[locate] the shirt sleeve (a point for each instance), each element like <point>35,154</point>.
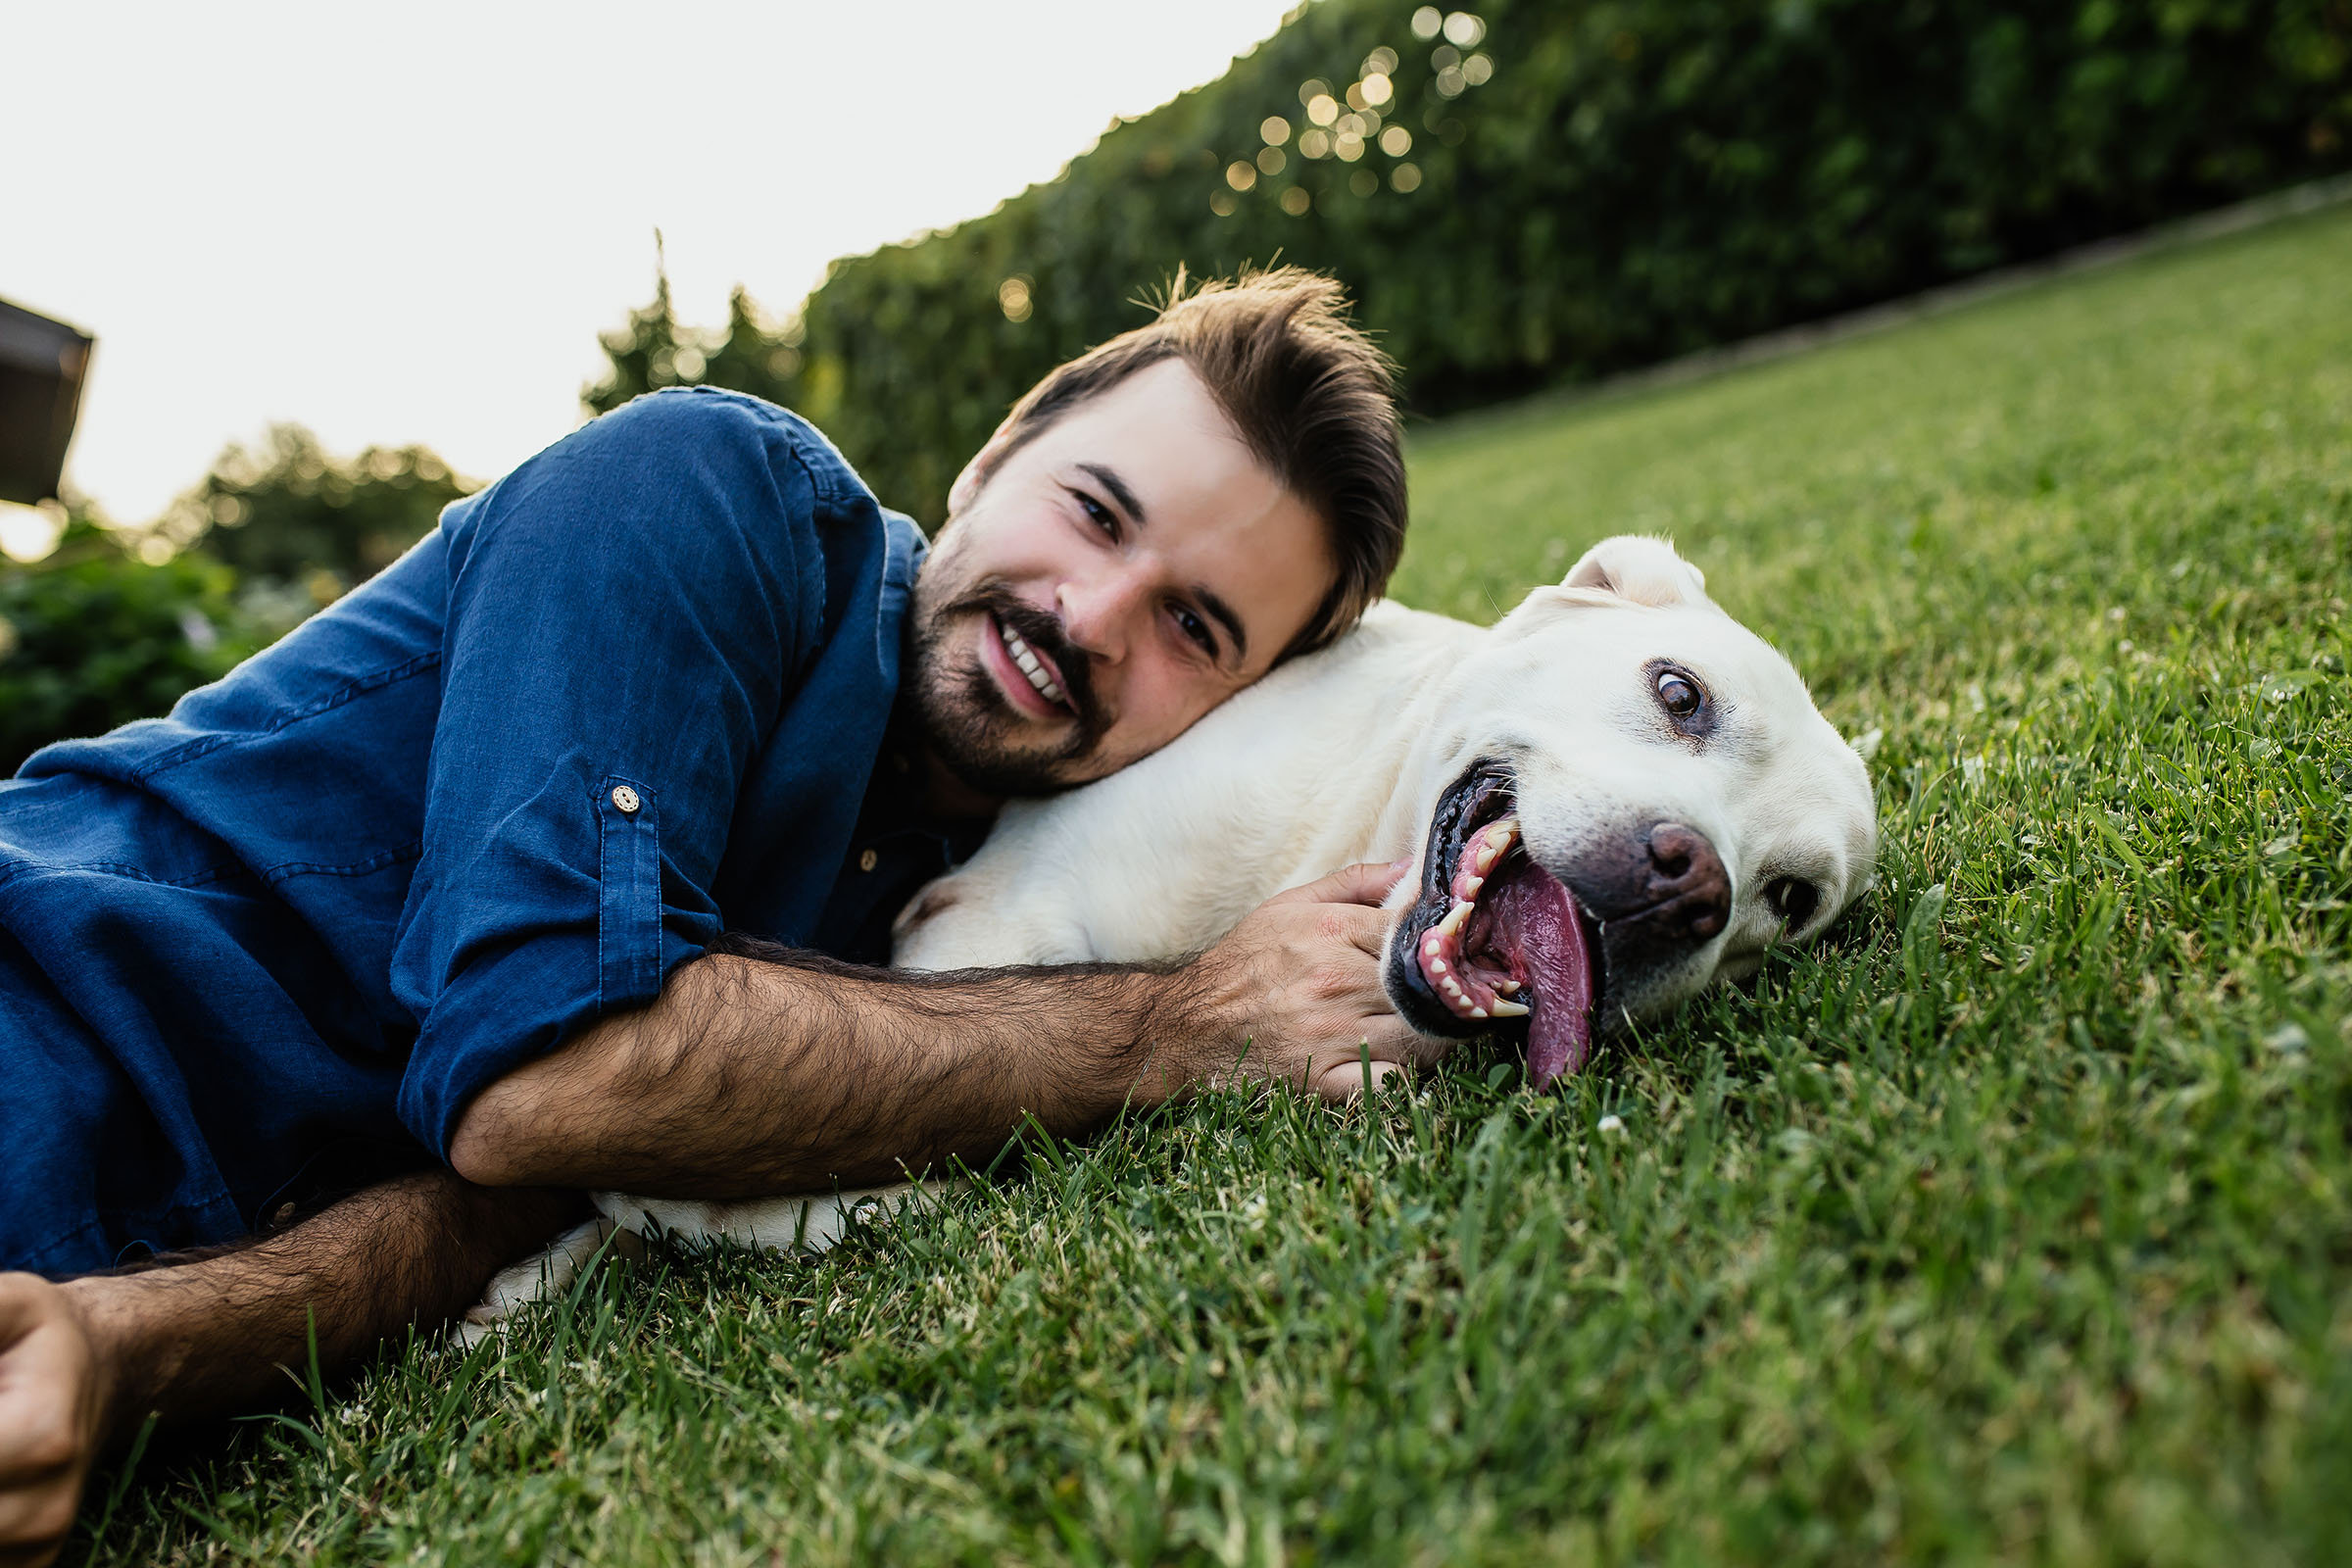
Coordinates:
<point>627,613</point>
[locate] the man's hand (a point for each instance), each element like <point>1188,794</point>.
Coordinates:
<point>84,1362</point>
<point>54,1393</point>
<point>1299,981</point>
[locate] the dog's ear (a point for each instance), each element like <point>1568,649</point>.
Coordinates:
<point>1645,570</point>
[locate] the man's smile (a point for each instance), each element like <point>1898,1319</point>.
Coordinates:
<point>1029,678</point>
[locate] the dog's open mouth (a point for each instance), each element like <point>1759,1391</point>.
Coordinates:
<point>1495,937</point>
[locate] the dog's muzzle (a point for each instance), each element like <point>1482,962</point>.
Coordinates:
<point>1495,941</point>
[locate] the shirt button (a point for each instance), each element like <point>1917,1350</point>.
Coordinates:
<point>625,800</point>
<point>869,861</point>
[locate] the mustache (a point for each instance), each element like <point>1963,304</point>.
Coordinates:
<point>1042,631</point>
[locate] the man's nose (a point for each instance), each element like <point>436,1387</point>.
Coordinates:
<point>1099,612</point>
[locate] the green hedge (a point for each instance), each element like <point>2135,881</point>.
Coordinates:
<point>91,637</point>
<point>1633,180</point>
<point>116,624</point>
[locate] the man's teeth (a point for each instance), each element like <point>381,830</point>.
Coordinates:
<point>1463,991</point>
<point>1030,665</point>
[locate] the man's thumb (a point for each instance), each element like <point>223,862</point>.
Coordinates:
<point>1366,883</point>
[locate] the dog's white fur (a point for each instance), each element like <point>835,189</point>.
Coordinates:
<point>1340,757</point>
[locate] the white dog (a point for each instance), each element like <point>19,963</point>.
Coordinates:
<point>1611,798</point>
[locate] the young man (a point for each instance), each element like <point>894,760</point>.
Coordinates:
<point>458,868</point>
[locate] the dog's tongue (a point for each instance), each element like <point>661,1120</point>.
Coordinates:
<point>1540,913</point>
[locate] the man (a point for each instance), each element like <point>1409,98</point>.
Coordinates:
<point>465,866</point>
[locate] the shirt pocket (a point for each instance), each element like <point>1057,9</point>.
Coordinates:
<point>628,915</point>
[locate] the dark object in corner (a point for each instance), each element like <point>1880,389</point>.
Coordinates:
<point>41,367</point>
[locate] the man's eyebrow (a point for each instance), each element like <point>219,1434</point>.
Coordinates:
<point>1222,612</point>
<point>1119,492</point>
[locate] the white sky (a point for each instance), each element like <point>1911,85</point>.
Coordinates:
<point>407,223</point>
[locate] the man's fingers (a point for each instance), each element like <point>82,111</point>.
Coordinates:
<point>44,1447</point>
<point>37,1517</point>
<point>1365,883</point>
<point>1349,1080</point>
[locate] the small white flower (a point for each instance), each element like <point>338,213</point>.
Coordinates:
<point>1612,1123</point>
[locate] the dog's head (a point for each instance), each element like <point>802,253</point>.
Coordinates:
<point>1631,796</point>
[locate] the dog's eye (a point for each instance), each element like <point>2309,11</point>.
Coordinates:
<point>1678,693</point>
<point>1792,900</point>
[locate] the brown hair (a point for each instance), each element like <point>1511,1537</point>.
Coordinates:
<point>1303,386</point>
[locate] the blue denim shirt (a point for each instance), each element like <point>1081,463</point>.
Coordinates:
<point>628,695</point>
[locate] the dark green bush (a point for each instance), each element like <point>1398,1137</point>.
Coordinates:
<point>91,637</point>
<point>1635,180</point>
<point>294,514</point>
<point>115,627</point>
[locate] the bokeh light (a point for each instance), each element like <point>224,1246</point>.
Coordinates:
<point>1464,29</point>
<point>1312,88</point>
<point>1274,131</point>
<point>1363,183</point>
<point>1381,62</point>
<point>1396,141</point>
<point>1315,144</point>
<point>1478,70</point>
<point>1295,201</point>
<point>1406,177</point>
<point>1378,89</point>
<point>1427,22</point>
<point>1241,176</point>
<point>1013,298</point>
<point>1270,160</point>
<point>1222,204</point>
<point>1348,146</point>
<point>1322,107</point>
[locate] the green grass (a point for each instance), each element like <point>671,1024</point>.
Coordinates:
<point>2014,1224</point>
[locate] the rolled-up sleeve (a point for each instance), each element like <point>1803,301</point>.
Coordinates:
<point>627,614</point>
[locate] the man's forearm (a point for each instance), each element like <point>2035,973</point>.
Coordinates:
<point>211,1337</point>
<point>749,1077</point>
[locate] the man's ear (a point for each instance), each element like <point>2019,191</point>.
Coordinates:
<point>1643,569</point>
<point>966,488</point>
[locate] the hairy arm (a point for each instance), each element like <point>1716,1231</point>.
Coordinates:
<point>84,1362</point>
<point>751,1077</point>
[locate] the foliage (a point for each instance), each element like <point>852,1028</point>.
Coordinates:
<point>116,626</point>
<point>2013,1224</point>
<point>1595,184</point>
<point>91,637</point>
<point>295,515</point>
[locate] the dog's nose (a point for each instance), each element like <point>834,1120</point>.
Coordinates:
<point>1689,892</point>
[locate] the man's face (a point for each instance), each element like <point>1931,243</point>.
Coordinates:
<point>1102,586</point>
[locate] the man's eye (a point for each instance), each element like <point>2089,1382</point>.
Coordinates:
<point>1101,516</point>
<point>1195,628</point>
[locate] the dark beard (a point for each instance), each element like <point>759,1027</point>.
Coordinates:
<point>965,717</point>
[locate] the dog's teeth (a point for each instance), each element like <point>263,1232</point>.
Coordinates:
<point>1485,861</point>
<point>1471,885</point>
<point>1509,988</point>
<point>1510,1009</point>
<point>1433,944</point>
<point>1451,925</point>
<point>1437,966</point>
<point>1501,835</point>
<point>1476,1012</point>
<point>1451,989</point>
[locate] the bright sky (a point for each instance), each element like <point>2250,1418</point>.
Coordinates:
<point>407,223</point>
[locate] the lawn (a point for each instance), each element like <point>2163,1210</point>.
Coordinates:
<point>2013,1224</point>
